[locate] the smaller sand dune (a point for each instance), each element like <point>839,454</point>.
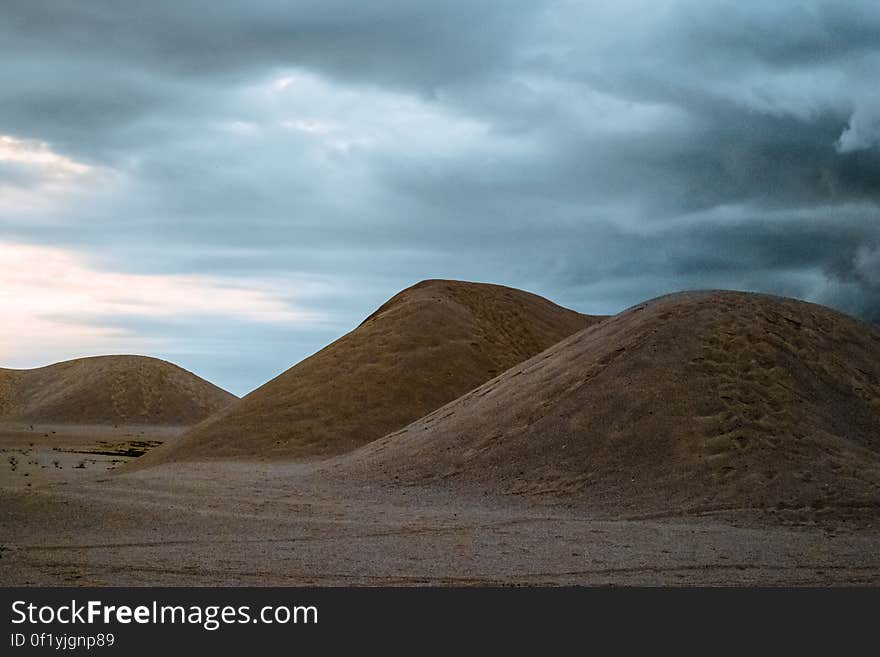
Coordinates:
<point>123,390</point>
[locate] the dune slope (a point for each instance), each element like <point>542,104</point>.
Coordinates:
<point>695,401</point>
<point>134,390</point>
<point>423,348</point>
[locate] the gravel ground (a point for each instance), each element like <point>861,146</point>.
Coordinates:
<point>234,523</point>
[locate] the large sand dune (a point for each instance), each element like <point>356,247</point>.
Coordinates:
<point>423,348</point>
<point>124,390</point>
<point>690,402</point>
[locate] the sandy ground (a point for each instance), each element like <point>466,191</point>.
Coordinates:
<point>284,524</point>
<point>32,455</point>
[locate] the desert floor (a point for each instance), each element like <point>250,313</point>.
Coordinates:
<point>67,519</point>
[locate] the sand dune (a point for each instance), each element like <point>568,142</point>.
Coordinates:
<point>695,401</point>
<point>423,348</point>
<point>124,390</point>
<point>703,438</point>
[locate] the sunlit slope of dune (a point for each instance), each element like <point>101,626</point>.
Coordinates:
<point>423,348</point>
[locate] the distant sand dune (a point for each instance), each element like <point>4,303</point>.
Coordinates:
<point>423,348</point>
<point>124,390</point>
<point>696,401</point>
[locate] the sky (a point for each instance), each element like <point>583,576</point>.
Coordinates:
<point>232,185</point>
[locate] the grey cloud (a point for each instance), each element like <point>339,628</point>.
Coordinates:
<point>863,131</point>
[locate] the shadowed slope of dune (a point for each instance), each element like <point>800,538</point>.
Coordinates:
<point>130,390</point>
<point>695,401</point>
<point>423,348</point>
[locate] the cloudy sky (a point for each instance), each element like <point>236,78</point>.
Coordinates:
<point>230,185</point>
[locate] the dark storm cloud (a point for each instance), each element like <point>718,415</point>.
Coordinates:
<point>444,41</point>
<point>84,71</point>
<point>597,153</point>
